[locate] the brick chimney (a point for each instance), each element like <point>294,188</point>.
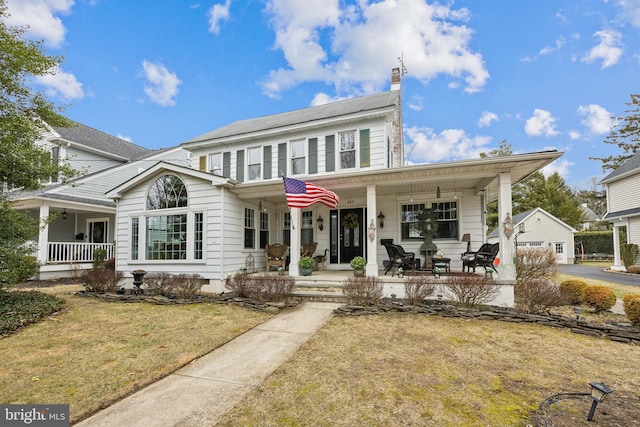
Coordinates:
<point>395,79</point>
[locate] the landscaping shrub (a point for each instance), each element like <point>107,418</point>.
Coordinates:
<point>101,280</point>
<point>110,264</point>
<point>471,291</point>
<point>276,287</point>
<point>537,296</point>
<point>628,253</point>
<point>635,269</point>
<point>600,298</point>
<point>572,291</point>
<point>364,290</point>
<point>535,264</point>
<point>15,267</point>
<point>99,256</point>
<point>18,309</point>
<point>186,285</point>
<point>417,288</point>
<point>159,283</point>
<point>242,284</point>
<point>632,308</point>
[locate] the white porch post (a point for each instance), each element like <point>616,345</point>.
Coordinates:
<point>372,246</point>
<point>43,234</point>
<point>507,269</point>
<point>617,260</point>
<point>294,250</point>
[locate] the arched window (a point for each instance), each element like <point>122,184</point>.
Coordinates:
<point>166,192</point>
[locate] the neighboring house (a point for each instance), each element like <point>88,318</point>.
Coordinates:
<point>217,216</point>
<point>590,220</point>
<point>623,205</point>
<point>77,217</point>
<point>537,228</point>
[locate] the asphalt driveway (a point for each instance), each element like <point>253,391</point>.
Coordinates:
<point>599,273</point>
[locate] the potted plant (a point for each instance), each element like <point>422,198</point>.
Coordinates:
<point>358,264</point>
<point>306,265</point>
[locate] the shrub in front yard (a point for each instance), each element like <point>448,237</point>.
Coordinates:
<point>632,308</point>
<point>101,280</point>
<point>158,283</point>
<point>364,290</point>
<point>572,291</point>
<point>417,288</point>
<point>471,291</point>
<point>537,296</point>
<point>275,287</point>
<point>18,309</point>
<point>600,298</point>
<point>186,285</point>
<point>535,264</point>
<point>635,269</point>
<point>629,254</point>
<point>242,284</point>
<point>110,264</point>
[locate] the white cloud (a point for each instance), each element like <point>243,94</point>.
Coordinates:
<point>322,98</point>
<point>631,11</point>
<point>561,166</point>
<point>354,47</point>
<point>608,50</point>
<point>60,83</point>
<point>39,15</point>
<point>541,123</point>
<point>416,103</point>
<point>574,134</point>
<point>596,118</point>
<point>487,118</point>
<point>217,14</point>
<point>126,138</point>
<point>161,85</point>
<point>426,146</point>
<point>548,49</point>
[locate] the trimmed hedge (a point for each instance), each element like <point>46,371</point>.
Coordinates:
<point>573,291</point>
<point>595,242</point>
<point>600,298</point>
<point>632,308</point>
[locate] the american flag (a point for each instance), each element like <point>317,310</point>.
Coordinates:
<point>301,194</point>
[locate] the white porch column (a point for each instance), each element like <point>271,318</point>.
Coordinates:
<point>372,245</point>
<point>43,234</point>
<point>617,260</point>
<point>506,269</point>
<point>294,250</point>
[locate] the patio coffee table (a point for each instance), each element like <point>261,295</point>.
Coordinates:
<point>444,263</point>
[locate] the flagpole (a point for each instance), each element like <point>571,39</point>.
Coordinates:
<point>294,250</point>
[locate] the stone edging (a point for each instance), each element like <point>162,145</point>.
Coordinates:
<point>224,298</point>
<point>615,332</point>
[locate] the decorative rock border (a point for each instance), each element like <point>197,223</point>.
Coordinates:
<point>624,333</point>
<point>224,298</point>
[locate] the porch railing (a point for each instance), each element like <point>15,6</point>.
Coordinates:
<point>72,252</point>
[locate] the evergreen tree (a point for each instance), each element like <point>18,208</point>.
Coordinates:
<point>625,134</point>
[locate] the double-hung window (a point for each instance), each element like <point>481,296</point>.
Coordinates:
<point>286,228</point>
<point>255,163</point>
<point>447,219</point>
<point>215,164</point>
<point>249,228</point>
<point>347,149</point>
<point>307,227</point>
<point>409,226</point>
<point>264,229</point>
<point>298,157</point>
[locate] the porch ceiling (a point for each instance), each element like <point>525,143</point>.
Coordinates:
<point>476,174</point>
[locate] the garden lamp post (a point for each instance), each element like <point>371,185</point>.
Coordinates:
<point>598,392</point>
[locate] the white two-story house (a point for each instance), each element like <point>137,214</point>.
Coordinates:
<point>216,216</point>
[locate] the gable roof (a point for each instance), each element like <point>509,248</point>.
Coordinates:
<point>100,141</point>
<point>344,107</point>
<point>521,217</point>
<point>631,166</point>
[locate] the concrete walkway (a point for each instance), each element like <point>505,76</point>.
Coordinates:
<point>204,391</point>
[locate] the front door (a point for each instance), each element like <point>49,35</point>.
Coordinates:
<point>97,232</point>
<point>347,235</point>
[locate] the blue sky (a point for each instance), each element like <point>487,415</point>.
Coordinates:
<point>544,74</point>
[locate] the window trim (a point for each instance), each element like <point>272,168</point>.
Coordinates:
<point>250,150</point>
<point>305,155</point>
<point>211,168</point>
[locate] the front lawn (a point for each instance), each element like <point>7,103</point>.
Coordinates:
<point>95,353</point>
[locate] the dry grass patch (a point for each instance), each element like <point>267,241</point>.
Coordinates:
<point>419,370</point>
<point>97,352</point>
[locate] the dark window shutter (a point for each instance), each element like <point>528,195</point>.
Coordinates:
<point>330,153</point>
<point>240,166</point>
<point>266,153</point>
<point>282,159</point>
<point>203,163</point>
<point>313,155</point>
<point>365,149</point>
<point>226,164</point>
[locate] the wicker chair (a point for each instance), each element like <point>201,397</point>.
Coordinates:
<point>483,257</point>
<point>275,255</point>
<point>308,249</point>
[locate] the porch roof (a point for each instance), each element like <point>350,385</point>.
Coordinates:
<point>477,174</point>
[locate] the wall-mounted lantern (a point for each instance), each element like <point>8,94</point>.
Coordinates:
<point>320,222</point>
<point>381,219</point>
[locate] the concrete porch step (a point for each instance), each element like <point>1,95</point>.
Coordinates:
<point>323,289</point>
